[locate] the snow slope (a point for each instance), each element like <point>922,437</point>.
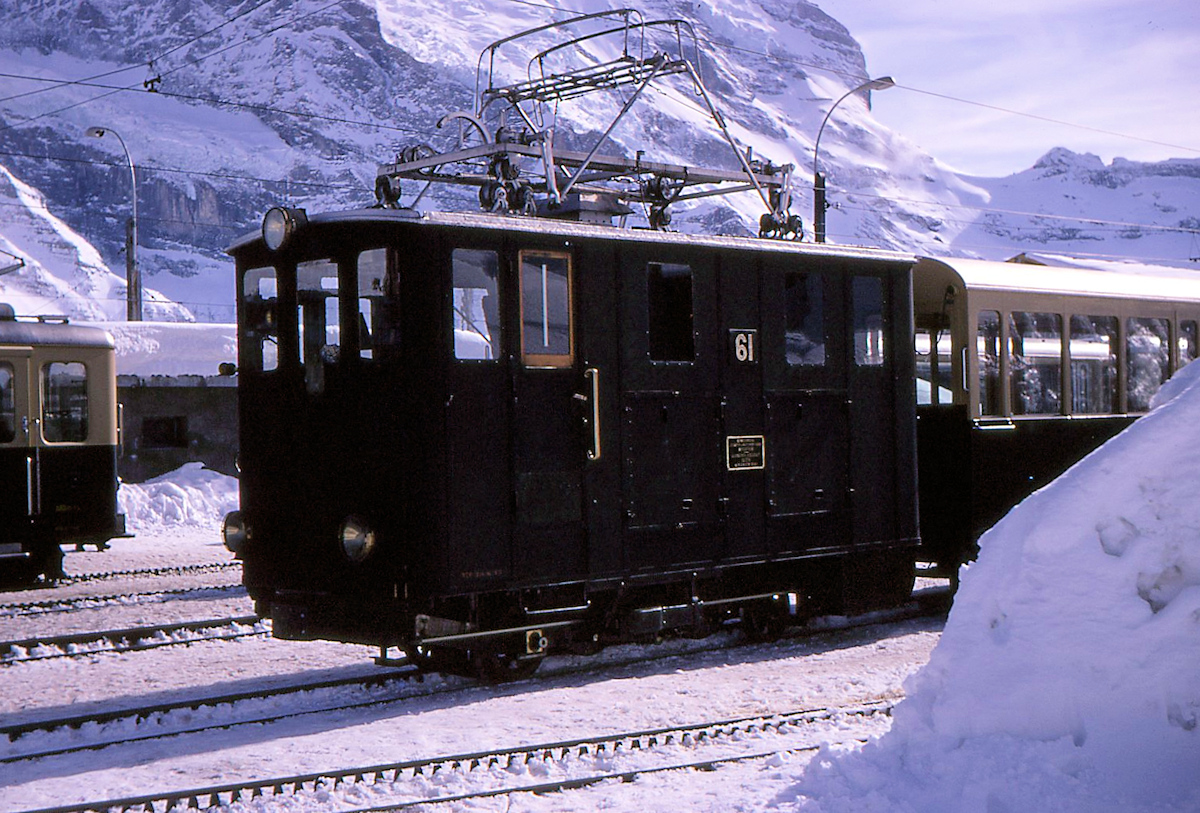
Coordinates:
<point>63,273</point>
<point>1068,675</point>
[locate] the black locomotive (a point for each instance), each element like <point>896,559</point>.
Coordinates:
<point>58,443</point>
<point>479,437</point>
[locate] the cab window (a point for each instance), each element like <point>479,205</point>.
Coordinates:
<point>869,347</point>
<point>64,402</point>
<point>546,338</point>
<point>260,319</point>
<point>804,315</point>
<point>372,288</point>
<point>669,302</point>
<point>317,316</point>
<point>475,315</point>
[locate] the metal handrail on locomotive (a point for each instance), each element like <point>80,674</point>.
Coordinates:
<point>58,443</point>
<point>482,437</point>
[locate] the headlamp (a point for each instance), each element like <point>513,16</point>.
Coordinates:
<point>357,538</point>
<point>279,224</point>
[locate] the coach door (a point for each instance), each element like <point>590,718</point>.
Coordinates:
<point>17,481</point>
<point>670,423</point>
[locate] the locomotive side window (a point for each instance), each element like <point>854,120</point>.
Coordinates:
<point>320,331</point>
<point>1147,360</point>
<point>988,349</point>
<point>869,348</point>
<point>1187,341</point>
<point>804,325</point>
<point>476,304</point>
<point>1093,365</point>
<point>260,336</point>
<point>8,407</point>
<point>372,274</point>
<point>669,295</point>
<point>1035,363</point>
<point>546,337</point>
<point>64,402</point>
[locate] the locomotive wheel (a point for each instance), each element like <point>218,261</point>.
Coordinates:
<point>499,667</point>
<point>446,661</point>
<point>761,624</point>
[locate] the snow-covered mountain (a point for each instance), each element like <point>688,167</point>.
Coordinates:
<point>1076,204</point>
<point>60,272</point>
<point>298,101</point>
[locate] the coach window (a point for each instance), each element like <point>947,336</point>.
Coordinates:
<point>869,345</point>
<point>8,405</point>
<point>804,314</point>
<point>546,338</point>
<point>1035,363</point>
<point>1147,360</point>
<point>1187,342</point>
<point>669,294</point>
<point>260,319</point>
<point>475,318</point>
<point>372,288</point>
<point>317,315</point>
<point>932,346</point>
<point>988,350</point>
<point>64,402</point>
<point>1093,351</point>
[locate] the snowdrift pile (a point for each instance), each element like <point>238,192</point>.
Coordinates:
<point>189,497</point>
<point>1068,675</point>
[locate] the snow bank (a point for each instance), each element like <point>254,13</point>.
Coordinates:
<point>189,497</point>
<point>1068,675</point>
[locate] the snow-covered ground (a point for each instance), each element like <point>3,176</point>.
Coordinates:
<point>1067,677</point>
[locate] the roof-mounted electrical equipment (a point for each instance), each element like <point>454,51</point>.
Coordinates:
<point>506,145</point>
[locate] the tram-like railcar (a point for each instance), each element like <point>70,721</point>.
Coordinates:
<point>470,435</point>
<point>58,443</point>
<point>1025,368</point>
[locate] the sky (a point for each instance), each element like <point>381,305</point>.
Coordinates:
<point>1129,68</point>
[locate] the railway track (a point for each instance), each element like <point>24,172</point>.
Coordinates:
<point>60,736</point>
<point>199,714</point>
<point>73,603</point>
<point>152,572</point>
<point>129,639</point>
<point>580,762</point>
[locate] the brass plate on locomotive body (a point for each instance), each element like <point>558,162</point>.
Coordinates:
<point>745,452</point>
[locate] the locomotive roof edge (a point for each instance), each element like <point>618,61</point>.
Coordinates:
<point>568,228</point>
<point>14,332</point>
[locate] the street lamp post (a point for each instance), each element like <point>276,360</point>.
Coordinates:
<point>819,204</point>
<point>133,277</point>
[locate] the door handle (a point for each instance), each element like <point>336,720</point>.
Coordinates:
<point>592,375</point>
